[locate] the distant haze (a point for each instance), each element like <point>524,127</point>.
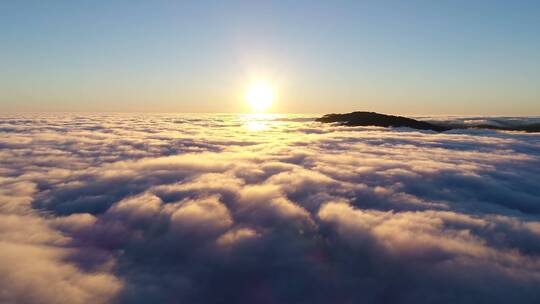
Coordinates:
<point>402,57</point>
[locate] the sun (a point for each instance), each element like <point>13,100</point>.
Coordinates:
<point>260,96</point>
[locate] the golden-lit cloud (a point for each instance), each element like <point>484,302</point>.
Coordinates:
<point>148,208</point>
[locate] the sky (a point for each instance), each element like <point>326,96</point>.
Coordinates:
<point>402,57</point>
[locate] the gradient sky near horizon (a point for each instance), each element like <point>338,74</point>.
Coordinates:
<point>401,57</point>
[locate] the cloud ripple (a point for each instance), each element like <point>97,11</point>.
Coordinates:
<point>243,209</point>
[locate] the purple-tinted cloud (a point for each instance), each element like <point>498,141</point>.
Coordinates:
<point>167,209</point>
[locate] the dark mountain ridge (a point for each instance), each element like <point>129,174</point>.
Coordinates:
<point>382,120</point>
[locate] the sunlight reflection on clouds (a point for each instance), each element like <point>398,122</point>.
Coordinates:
<point>239,208</point>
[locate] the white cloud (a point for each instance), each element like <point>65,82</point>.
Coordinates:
<point>139,209</point>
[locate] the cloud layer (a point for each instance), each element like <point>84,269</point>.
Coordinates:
<point>239,209</point>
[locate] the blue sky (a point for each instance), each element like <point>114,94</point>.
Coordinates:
<point>403,57</point>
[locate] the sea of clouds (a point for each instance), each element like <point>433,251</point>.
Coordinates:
<point>264,209</point>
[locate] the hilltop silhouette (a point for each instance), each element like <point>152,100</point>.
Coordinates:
<point>380,120</point>
<point>360,118</point>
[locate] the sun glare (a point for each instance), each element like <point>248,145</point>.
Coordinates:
<point>259,96</point>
